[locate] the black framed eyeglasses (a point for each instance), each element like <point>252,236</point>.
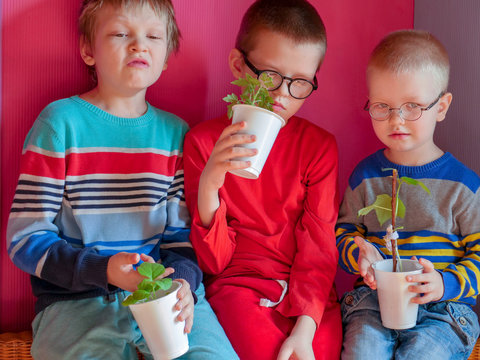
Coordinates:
<point>408,111</point>
<point>298,88</point>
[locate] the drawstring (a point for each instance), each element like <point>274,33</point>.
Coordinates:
<point>268,303</point>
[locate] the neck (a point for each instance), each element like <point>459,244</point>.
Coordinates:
<point>126,106</point>
<point>413,158</point>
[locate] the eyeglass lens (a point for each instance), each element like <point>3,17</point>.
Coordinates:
<point>298,88</point>
<point>408,111</point>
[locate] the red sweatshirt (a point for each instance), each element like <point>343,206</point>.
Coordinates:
<point>279,226</point>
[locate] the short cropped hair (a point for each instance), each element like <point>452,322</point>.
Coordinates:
<point>296,19</point>
<point>412,50</point>
<point>162,8</point>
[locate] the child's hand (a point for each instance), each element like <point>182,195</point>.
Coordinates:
<point>120,271</point>
<point>299,344</point>
<point>185,305</point>
<point>367,256</point>
<point>296,347</point>
<point>430,283</point>
<point>224,156</point>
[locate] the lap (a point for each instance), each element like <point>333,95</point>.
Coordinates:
<point>443,330</point>
<point>258,332</point>
<point>102,328</point>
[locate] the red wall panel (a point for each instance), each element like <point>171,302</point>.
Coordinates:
<point>40,63</point>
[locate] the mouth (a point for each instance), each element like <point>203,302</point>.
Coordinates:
<point>278,106</point>
<point>138,63</point>
<point>399,135</point>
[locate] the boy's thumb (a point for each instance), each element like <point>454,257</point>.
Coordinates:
<point>132,258</point>
<point>359,241</point>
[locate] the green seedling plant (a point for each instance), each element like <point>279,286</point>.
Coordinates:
<point>147,289</point>
<point>254,92</point>
<point>387,207</point>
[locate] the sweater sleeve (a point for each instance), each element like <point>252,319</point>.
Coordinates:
<point>176,249</point>
<point>347,228</point>
<point>462,278</point>
<point>214,245</point>
<point>34,242</point>
<point>315,263</point>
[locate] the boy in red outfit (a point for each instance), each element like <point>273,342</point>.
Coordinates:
<point>268,244</point>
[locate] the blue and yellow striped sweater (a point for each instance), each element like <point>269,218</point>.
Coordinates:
<point>91,185</point>
<point>443,227</point>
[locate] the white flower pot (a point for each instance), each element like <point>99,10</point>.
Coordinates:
<point>265,125</point>
<point>164,335</point>
<point>396,310</point>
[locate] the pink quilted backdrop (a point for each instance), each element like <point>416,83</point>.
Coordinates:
<point>40,63</point>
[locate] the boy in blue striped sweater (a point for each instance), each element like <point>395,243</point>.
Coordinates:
<point>101,188</point>
<point>407,78</point>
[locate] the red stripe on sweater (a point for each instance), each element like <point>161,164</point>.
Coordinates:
<point>121,163</point>
<point>98,163</point>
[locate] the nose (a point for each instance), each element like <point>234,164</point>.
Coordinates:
<point>283,89</point>
<point>395,115</point>
<point>137,45</point>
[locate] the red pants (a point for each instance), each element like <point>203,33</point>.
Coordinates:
<point>256,332</point>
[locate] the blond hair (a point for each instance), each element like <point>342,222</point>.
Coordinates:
<point>412,50</point>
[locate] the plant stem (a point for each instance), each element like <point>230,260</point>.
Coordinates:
<point>394,215</point>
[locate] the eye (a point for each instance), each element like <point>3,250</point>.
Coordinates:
<point>380,106</point>
<point>154,37</point>
<point>411,106</point>
<point>120,35</point>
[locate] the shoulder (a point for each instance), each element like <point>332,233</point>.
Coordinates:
<point>310,130</point>
<point>369,167</point>
<point>169,119</point>
<point>455,170</point>
<point>309,137</point>
<point>59,110</point>
<point>208,131</point>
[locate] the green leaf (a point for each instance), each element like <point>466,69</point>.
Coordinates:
<point>411,181</point>
<point>151,270</point>
<point>400,208</point>
<point>165,283</point>
<point>253,93</point>
<point>382,207</point>
<point>232,98</point>
<point>136,297</point>
<point>147,285</point>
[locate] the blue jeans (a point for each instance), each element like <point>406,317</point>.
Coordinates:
<point>102,328</point>
<point>444,330</point>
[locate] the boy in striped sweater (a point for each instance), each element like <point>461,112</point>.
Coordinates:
<point>100,189</point>
<point>407,78</point>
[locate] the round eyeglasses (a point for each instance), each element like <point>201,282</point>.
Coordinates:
<point>298,88</point>
<point>408,111</point>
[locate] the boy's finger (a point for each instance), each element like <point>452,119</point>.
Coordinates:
<point>146,258</point>
<point>132,258</point>
<point>427,265</point>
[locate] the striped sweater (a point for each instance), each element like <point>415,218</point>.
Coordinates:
<point>443,227</point>
<point>92,185</point>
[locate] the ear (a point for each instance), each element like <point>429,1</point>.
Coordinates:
<point>443,105</point>
<point>236,63</point>
<point>86,52</point>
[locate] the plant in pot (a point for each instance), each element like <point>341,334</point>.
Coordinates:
<point>397,312</point>
<point>254,106</point>
<point>152,306</point>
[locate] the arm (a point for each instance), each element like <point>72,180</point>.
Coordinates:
<point>175,248</point>
<point>212,238</point>
<point>315,263</point>
<point>33,239</point>
<point>299,343</point>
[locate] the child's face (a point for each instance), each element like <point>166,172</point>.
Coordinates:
<point>407,142</point>
<point>273,51</point>
<point>129,49</point>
